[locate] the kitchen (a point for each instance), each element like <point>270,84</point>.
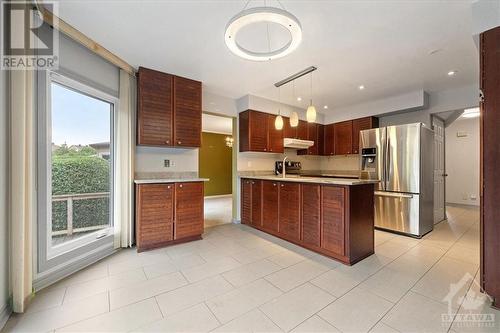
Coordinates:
<point>361,196</point>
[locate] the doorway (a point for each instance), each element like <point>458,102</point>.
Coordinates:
<point>440,175</point>
<point>216,163</point>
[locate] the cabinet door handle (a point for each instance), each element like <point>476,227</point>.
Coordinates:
<point>179,142</point>
<point>180,185</point>
<point>168,186</point>
<point>274,184</point>
<point>265,149</point>
<point>167,142</point>
<point>282,185</point>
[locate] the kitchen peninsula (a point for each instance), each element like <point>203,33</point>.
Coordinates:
<point>331,216</point>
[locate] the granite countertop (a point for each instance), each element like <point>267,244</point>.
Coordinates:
<point>318,180</point>
<point>169,180</point>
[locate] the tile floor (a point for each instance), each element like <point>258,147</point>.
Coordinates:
<point>238,279</point>
<point>218,210</point>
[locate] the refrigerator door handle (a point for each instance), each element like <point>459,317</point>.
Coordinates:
<point>387,159</point>
<point>394,195</point>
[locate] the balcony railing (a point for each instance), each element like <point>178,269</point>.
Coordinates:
<point>70,199</point>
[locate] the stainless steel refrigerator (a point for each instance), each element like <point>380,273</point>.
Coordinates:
<point>402,158</point>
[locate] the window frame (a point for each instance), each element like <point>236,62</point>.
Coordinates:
<point>70,253</point>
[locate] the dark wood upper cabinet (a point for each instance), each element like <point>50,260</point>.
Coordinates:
<point>187,112</point>
<point>490,159</point>
<point>302,132</point>
<point>275,140</point>
<point>288,130</point>
<point>342,134</point>
<point>270,205</point>
<point>253,127</point>
<point>333,219</point>
<point>329,139</point>
<point>359,125</point>
<point>168,110</point>
<point>154,108</point>
<point>189,217</point>
<point>246,201</point>
<point>312,135</point>
<point>256,207</point>
<point>154,215</point>
<point>311,210</point>
<point>289,211</point>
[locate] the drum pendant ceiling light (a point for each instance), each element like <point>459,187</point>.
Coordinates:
<point>268,15</point>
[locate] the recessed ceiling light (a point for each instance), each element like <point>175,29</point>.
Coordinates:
<point>452,73</point>
<point>361,87</point>
<point>325,107</point>
<point>299,99</point>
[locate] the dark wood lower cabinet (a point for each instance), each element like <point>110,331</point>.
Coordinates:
<point>289,210</point>
<point>189,200</point>
<point>333,217</point>
<point>168,214</point>
<point>256,216</point>
<point>333,220</point>
<point>155,215</point>
<point>270,202</point>
<point>311,214</point>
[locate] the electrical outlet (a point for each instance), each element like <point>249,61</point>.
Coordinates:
<point>473,197</point>
<point>166,163</point>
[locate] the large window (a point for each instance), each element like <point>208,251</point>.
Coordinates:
<point>76,170</point>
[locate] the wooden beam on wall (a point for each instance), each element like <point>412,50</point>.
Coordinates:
<point>79,37</point>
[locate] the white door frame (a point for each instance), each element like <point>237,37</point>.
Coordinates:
<point>438,124</point>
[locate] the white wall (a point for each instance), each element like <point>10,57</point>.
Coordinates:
<point>462,162</point>
<point>4,230</point>
<point>250,161</point>
<point>150,159</point>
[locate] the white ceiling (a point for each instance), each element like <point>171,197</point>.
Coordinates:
<point>384,45</point>
<point>216,124</point>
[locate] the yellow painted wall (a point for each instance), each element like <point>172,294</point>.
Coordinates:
<point>215,162</point>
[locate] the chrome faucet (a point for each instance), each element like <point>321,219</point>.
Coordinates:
<point>283,174</point>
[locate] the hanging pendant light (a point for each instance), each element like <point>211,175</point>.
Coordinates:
<point>311,110</point>
<point>294,117</point>
<point>278,122</point>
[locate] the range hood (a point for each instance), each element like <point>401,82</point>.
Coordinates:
<point>297,143</point>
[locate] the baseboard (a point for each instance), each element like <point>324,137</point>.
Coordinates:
<point>236,221</point>
<point>5,315</point>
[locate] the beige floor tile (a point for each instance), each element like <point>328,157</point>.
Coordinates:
<point>448,278</point>
<point>357,311</point>
<point>293,276</point>
<point>122,320</point>
<point>253,321</point>
<point>315,324</point>
<point>389,283</point>
<point>292,308</point>
<point>195,319</point>
<point>120,280</point>
<point>192,294</point>
<point>287,258</point>
<point>93,272</point>
<point>209,269</point>
<point>394,248</point>
<point>46,299</point>
<point>335,282</point>
<point>252,255</point>
<point>188,261</point>
<point>416,313</point>
<point>426,252</point>
<point>158,269</point>
<point>250,272</point>
<point>146,289</point>
<point>363,269</point>
<point>239,301</point>
<point>48,320</point>
<point>464,253</point>
<point>383,328</point>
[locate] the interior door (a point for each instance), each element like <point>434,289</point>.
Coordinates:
<point>403,159</point>
<point>439,170</point>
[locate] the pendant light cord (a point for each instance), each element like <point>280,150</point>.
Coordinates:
<point>311,95</point>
